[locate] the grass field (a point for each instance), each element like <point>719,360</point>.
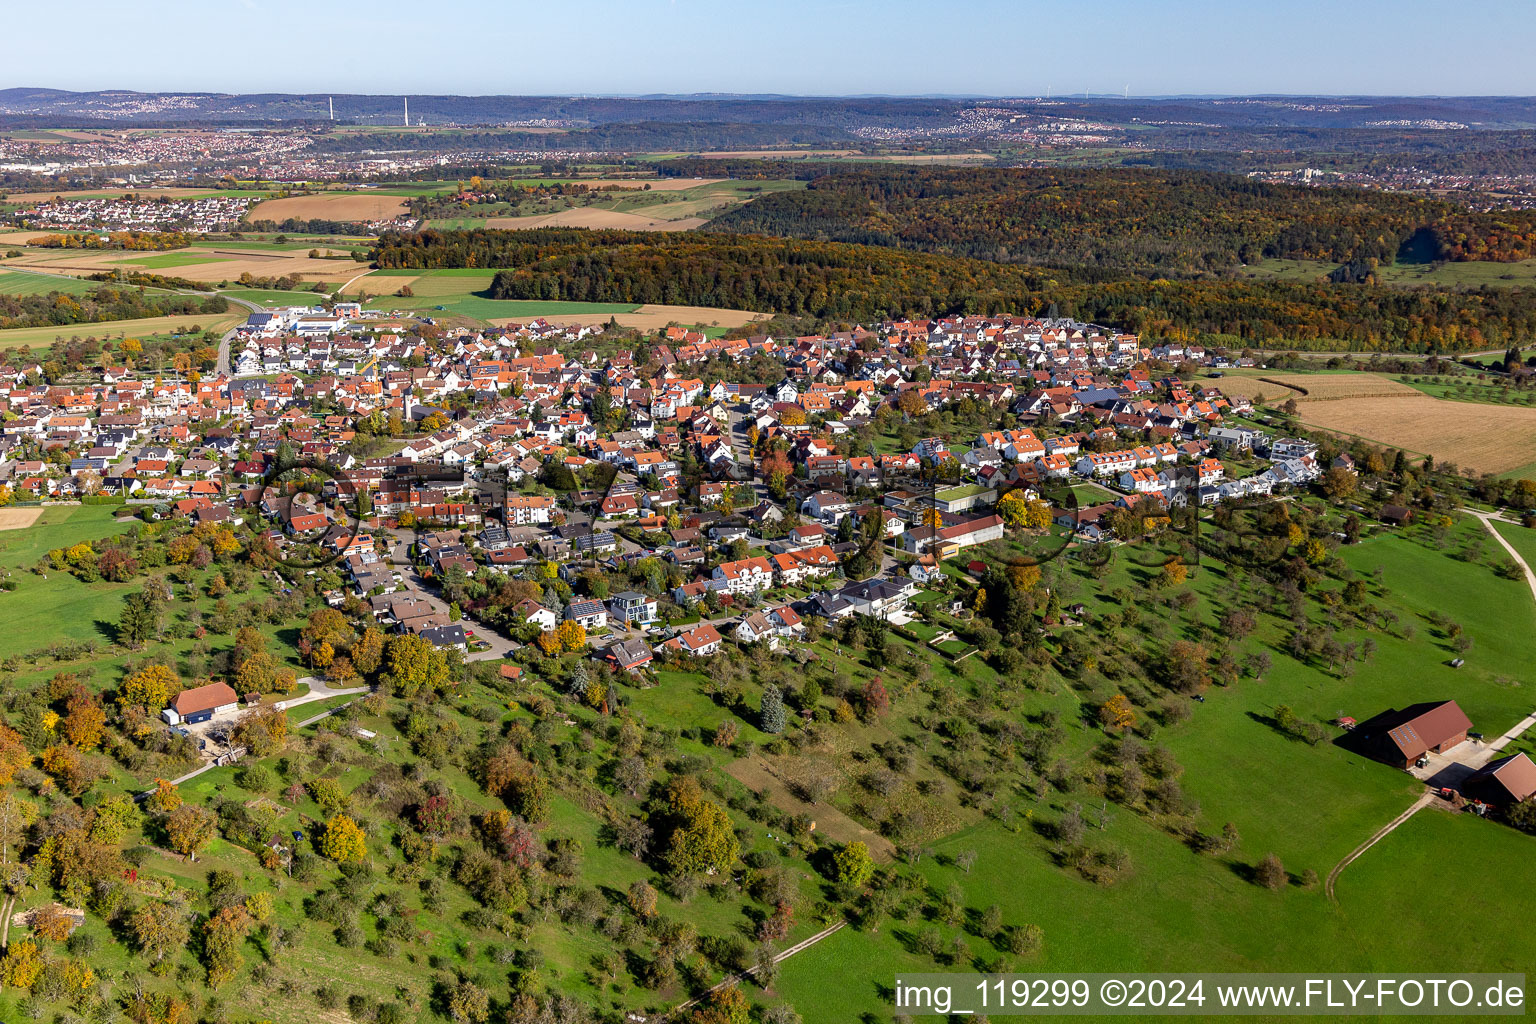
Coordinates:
<point>36,336</point>
<point>17,283</point>
<point>672,204</point>
<point>212,261</point>
<point>60,607</point>
<point>1470,274</point>
<point>1330,387</point>
<point>1175,909</point>
<point>1467,388</point>
<point>271,297</point>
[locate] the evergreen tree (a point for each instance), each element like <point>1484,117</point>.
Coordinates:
<point>140,621</point>
<point>772,710</point>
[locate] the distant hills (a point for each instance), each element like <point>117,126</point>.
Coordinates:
<point>1381,113</point>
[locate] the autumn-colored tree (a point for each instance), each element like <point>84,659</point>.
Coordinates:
<point>14,755</point>
<point>84,721</point>
<point>435,816</point>
<point>874,699</point>
<point>327,626</point>
<point>642,900</point>
<point>1012,507</point>
<point>1117,712</point>
<point>51,922</point>
<point>911,404</point>
<point>548,643</point>
<point>704,841</point>
<point>150,688</point>
<point>263,729</point>
<point>571,634</point>
<point>726,1006</point>
<point>189,828</point>
<point>65,764</point>
<point>21,964</point>
<point>1188,666</point>
<point>933,519</point>
<point>261,906</point>
<point>321,655</point>
<point>368,651</point>
<point>343,841</point>
<point>468,1003</point>
<point>329,794</point>
<point>223,933</point>
<point>166,797</point>
<point>794,416</point>
<point>1023,575</point>
<point>1174,573</point>
<point>258,674</point>
<point>415,666</point>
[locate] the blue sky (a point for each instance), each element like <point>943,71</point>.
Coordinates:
<point>837,47</point>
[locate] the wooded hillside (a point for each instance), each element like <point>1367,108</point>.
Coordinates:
<point>841,281</point>
<point>1143,220</point>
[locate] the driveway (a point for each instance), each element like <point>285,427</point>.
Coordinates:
<point>319,689</point>
<point>1452,767</point>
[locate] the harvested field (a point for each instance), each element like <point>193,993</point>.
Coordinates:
<point>330,206</point>
<point>650,317</point>
<point>587,217</point>
<point>757,775</point>
<point>18,518</point>
<point>1303,387</point>
<point>1331,387</point>
<point>1486,438</point>
<point>20,237</point>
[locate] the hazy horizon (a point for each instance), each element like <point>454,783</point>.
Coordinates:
<point>983,48</point>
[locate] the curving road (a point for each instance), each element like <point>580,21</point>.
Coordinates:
<point>1488,519</point>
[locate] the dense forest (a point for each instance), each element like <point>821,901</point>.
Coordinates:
<point>1144,220</point>
<point>99,305</point>
<point>840,281</point>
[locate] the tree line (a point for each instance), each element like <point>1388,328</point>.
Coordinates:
<point>840,282</point>
<point>100,304</point>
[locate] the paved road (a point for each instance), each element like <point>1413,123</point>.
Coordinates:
<point>500,646</point>
<point>1488,519</point>
<point>224,366</point>
<point>319,689</point>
